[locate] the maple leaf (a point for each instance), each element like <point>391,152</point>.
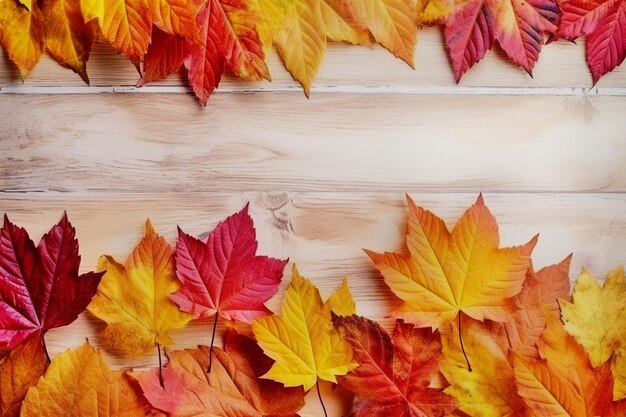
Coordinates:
<point>393,378</point>
<point>232,389</point>
<point>78,383</point>
<point>18,372</point>
<point>447,273</point>
<point>224,277</point>
<point>565,384</point>
<point>472,27</point>
<point>40,288</point>
<point>489,388</point>
<point>539,295</point>
<point>133,299</point>
<point>597,320</point>
<point>22,34</point>
<point>302,340</point>
<point>228,38</point>
<point>343,22</point>
<point>603,23</point>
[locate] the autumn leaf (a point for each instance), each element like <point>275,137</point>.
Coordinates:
<point>302,340</point>
<point>232,389</point>
<point>133,299</point>
<point>540,294</point>
<point>40,288</point>
<point>394,378</point>
<point>78,383</point>
<point>597,320</point>
<point>564,383</point>
<point>447,273</point>
<point>22,34</point>
<point>603,24</point>
<point>229,39</point>
<point>472,27</point>
<point>224,277</point>
<point>343,22</point>
<point>18,372</point>
<point>489,389</point>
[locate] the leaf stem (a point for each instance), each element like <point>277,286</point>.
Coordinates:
<point>469,367</point>
<point>211,347</point>
<point>319,395</point>
<point>160,367</point>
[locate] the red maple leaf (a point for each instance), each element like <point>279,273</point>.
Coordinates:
<point>224,277</point>
<point>40,288</point>
<point>394,378</point>
<point>604,25</point>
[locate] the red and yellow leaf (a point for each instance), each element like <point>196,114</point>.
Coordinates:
<point>22,34</point>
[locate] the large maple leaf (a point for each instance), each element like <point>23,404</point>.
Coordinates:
<point>40,288</point>
<point>232,389</point>
<point>597,319</point>
<point>472,27</point>
<point>18,372</point>
<point>229,38</point>
<point>394,378</point>
<point>133,299</point>
<point>224,277</point>
<point>302,339</point>
<point>603,23</point>
<point>564,383</point>
<point>78,383</point>
<point>446,273</point>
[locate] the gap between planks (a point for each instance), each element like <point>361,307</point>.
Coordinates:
<point>339,89</point>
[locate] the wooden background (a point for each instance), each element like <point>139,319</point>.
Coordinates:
<point>326,176</point>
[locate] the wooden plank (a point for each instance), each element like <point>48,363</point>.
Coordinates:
<point>561,64</point>
<point>347,142</point>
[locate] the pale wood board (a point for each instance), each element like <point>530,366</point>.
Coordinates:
<point>325,177</point>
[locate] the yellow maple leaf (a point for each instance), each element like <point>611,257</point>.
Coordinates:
<point>133,299</point>
<point>18,372</point>
<point>68,38</point>
<point>303,340</point>
<point>446,273</point>
<point>341,302</point>
<point>22,34</point>
<point>597,320</point>
<point>78,383</point>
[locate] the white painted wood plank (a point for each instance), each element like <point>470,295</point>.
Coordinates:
<point>347,142</point>
<point>561,64</point>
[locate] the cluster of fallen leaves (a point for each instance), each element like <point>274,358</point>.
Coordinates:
<point>480,332</point>
<point>209,37</point>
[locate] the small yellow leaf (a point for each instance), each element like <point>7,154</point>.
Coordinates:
<point>303,340</point>
<point>341,302</point>
<point>133,299</point>
<point>22,34</point>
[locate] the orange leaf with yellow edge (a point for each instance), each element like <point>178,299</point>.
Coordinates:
<point>22,34</point>
<point>447,273</point>
<point>489,389</point>
<point>18,372</point>
<point>78,383</point>
<point>233,388</point>
<point>597,320</point>
<point>176,17</point>
<point>302,339</point>
<point>68,37</point>
<point>133,299</point>
<point>563,383</point>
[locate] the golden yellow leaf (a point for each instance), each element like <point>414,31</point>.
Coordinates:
<point>301,41</point>
<point>18,372</point>
<point>78,383</point>
<point>272,13</point>
<point>133,299</point>
<point>342,22</point>
<point>303,340</point>
<point>341,302</point>
<point>597,320</point>
<point>22,34</point>
<point>68,37</point>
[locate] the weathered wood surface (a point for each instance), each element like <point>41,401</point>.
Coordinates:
<point>326,176</point>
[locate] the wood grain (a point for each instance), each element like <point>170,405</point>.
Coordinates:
<point>561,64</point>
<point>333,142</point>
